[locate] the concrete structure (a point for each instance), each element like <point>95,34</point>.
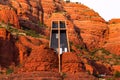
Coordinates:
<point>59,40</point>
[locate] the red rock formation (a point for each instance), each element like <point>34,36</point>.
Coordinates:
<point>41,59</point>
<point>81,12</point>
<point>114,21</point>
<point>86,30</point>
<point>93,33</point>
<point>71,63</point>
<point>113,42</point>
<point>29,13</point>
<point>8,50</point>
<point>8,16</point>
<point>89,68</point>
<point>116,68</point>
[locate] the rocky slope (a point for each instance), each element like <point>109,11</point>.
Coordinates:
<point>113,42</point>
<point>93,41</point>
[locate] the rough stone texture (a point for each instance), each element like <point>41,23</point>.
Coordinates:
<point>89,68</point>
<point>114,21</point>
<point>8,16</point>
<point>28,12</point>
<point>116,68</point>
<point>79,26</point>
<point>8,50</point>
<point>92,33</point>
<point>41,59</point>
<point>100,68</point>
<point>45,75</point>
<point>86,30</point>
<point>36,75</point>
<point>81,12</point>
<point>113,42</point>
<point>71,63</point>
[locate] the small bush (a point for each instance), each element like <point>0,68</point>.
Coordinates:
<point>9,71</point>
<point>110,79</point>
<point>72,50</point>
<point>117,74</point>
<point>32,33</point>
<point>81,47</point>
<point>41,24</point>
<point>63,75</point>
<point>105,51</point>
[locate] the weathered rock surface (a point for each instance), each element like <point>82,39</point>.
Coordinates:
<point>8,16</point>
<point>8,50</point>
<point>41,59</point>
<point>29,12</point>
<point>92,33</point>
<point>86,30</point>
<point>71,63</point>
<point>81,12</point>
<point>113,42</point>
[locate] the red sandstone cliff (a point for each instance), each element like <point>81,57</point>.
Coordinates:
<point>87,32</point>
<point>8,16</point>
<point>113,42</point>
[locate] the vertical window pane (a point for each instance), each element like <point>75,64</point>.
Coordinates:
<point>55,24</point>
<point>62,24</point>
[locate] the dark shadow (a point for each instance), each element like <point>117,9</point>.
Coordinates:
<point>9,53</point>
<point>27,25</point>
<point>4,2</point>
<point>99,68</point>
<point>42,12</point>
<point>33,22</point>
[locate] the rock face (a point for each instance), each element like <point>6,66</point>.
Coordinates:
<point>89,26</point>
<point>87,31</point>
<point>71,63</point>
<point>8,50</point>
<point>81,12</point>
<point>41,59</point>
<point>8,16</point>
<point>80,20</point>
<point>92,33</point>
<point>29,12</point>
<point>113,42</point>
<point>85,27</point>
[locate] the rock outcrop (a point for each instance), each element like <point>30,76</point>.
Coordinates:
<point>113,42</point>
<point>8,51</point>
<point>41,59</point>
<point>71,63</point>
<point>29,12</point>
<point>89,37</point>
<point>8,16</point>
<point>92,33</point>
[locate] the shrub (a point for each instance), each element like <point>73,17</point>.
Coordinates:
<point>9,71</point>
<point>105,51</point>
<point>40,24</point>
<point>117,74</point>
<point>81,47</point>
<point>110,79</point>
<point>32,33</point>
<point>63,75</point>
